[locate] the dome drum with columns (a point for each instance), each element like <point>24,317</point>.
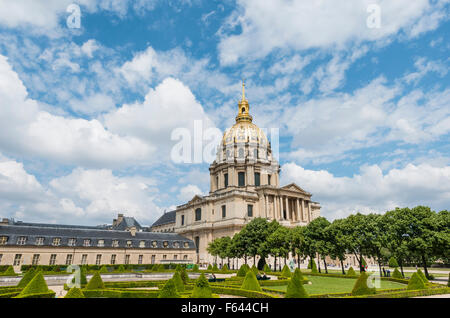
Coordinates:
<point>244,184</point>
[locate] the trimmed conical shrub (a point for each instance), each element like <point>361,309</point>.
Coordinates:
<point>36,286</point>
<point>161,268</point>
<point>178,281</point>
<point>121,269</point>
<point>195,268</point>
<point>103,270</point>
<point>210,267</point>
<point>286,272</point>
<point>74,292</point>
<point>255,270</point>
<point>393,262</point>
<point>397,274</point>
<point>225,268</point>
<point>360,287</point>
<point>29,275</point>
<point>169,290</point>
<point>250,282</point>
<point>9,272</point>
<point>215,268</point>
<point>295,287</point>
<point>95,282</point>
<point>184,276</point>
<point>351,272</point>
<point>415,282</point>
<point>266,268</point>
<point>312,266</point>
<point>242,271</point>
<point>178,268</point>
<point>202,288</point>
<point>422,276</point>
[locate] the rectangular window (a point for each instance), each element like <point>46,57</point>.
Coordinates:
<point>198,214</point>
<point>3,240</point>
<point>257,179</point>
<point>224,211</point>
<point>250,210</point>
<point>113,259</point>
<point>241,179</point>
<point>35,260</point>
<point>52,259</point>
<point>72,242</point>
<point>164,256</point>
<point>197,243</point>
<point>185,257</point>
<point>225,180</point>
<point>17,259</point>
<point>39,241</point>
<point>69,258</point>
<point>56,241</point>
<point>1,255</point>
<point>21,240</point>
<point>182,220</point>
<point>175,257</point>
<point>268,179</point>
<point>153,259</point>
<point>217,182</point>
<point>140,259</point>
<point>84,259</point>
<point>127,259</point>
<point>98,259</point>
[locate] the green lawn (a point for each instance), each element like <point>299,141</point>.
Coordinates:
<point>326,285</point>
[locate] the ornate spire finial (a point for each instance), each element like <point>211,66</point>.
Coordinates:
<point>243,89</point>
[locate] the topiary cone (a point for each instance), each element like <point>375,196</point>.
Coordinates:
<point>95,282</point>
<point>179,284</point>
<point>250,282</point>
<point>360,287</point>
<point>397,274</point>
<point>351,272</point>
<point>422,276</point>
<point>169,290</point>
<point>74,292</point>
<point>295,287</point>
<point>29,275</point>
<point>202,288</point>
<point>415,282</point>
<point>286,272</point>
<point>36,286</point>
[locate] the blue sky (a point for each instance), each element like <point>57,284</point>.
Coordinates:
<point>86,114</point>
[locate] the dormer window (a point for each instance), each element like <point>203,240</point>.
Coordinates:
<point>115,243</point>
<point>21,240</point>
<point>3,240</point>
<point>129,244</point>
<point>166,244</point>
<point>186,244</point>
<point>176,245</point>
<point>72,242</point>
<point>142,244</point>
<point>39,241</point>
<point>56,241</point>
<point>86,243</point>
<point>154,244</point>
<point>101,243</point>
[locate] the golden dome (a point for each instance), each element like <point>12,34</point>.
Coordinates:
<point>244,130</point>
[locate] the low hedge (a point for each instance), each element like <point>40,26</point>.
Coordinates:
<point>9,294</point>
<point>135,284</point>
<point>116,293</point>
<point>48,294</point>
<point>240,292</point>
<point>9,289</point>
<point>410,293</point>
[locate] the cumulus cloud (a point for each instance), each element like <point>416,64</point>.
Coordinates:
<point>372,190</point>
<point>300,25</point>
<point>188,192</point>
<point>84,196</point>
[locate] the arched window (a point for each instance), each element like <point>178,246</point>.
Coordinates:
<point>243,109</point>
<point>241,153</point>
<point>198,214</point>
<point>255,153</point>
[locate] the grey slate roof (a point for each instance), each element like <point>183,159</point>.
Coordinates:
<point>13,232</point>
<point>166,218</point>
<point>127,222</point>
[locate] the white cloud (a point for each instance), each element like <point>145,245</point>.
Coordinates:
<point>188,192</point>
<point>373,191</point>
<point>27,130</point>
<point>300,25</point>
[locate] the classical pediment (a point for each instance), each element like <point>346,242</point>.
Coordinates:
<point>196,199</point>
<point>295,188</point>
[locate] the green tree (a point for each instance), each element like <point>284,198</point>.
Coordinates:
<point>280,243</point>
<point>297,241</point>
<point>393,262</point>
<point>338,242</point>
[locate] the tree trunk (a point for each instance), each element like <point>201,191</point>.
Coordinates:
<point>401,267</point>
<point>275,264</point>
<point>318,263</point>
<point>379,265</point>
<point>285,260</point>
<point>245,259</point>
<point>361,266</point>
<point>424,261</point>
<point>325,264</point>
<point>254,260</point>
<point>298,261</point>
<point>342,266</point>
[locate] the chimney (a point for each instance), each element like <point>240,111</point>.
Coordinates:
<point>4,221</point>
<point>133,231</point>
<point>119,218</point>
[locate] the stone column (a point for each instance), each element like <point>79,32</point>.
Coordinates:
<point>287,207</point>
<point>297,205</point>
<point>309,211</point>
<point>303,211</point>
<point>266,205</point>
